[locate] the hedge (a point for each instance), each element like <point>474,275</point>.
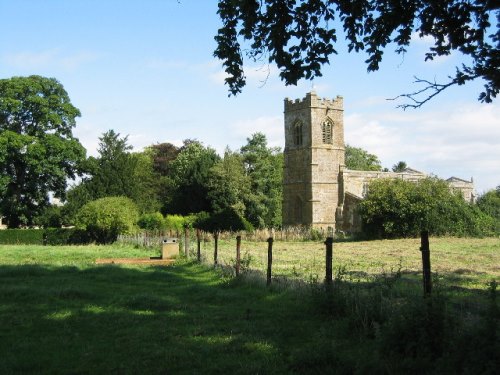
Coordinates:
<point>21,236</point>
<point>50,236</point>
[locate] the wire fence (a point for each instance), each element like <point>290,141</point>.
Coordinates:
<point>291,257</point>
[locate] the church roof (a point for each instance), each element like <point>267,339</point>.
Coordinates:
<point>411,170</point>
<point>456,179</point>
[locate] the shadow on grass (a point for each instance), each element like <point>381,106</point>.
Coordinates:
<point>179,319</point>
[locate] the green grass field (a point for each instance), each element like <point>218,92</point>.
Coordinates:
<point>467,262</point>
<point>60,313</point>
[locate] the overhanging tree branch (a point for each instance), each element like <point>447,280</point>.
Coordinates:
<point>299,37</point>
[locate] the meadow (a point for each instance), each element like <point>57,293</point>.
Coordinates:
<point>465,262</point>
<point>62,313</point>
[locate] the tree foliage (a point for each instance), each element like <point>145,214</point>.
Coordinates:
<point>489,203</point>
<point>264,167</point>
<point>225,220</point>
<point>38,153</point>
<point>300,36</point>
<point>151,221</point>
<point>163,154</point>
<point>105,218</point>
<point>229,186</point>
<point>116,172</point>
<point>189,179</point>
<point>400,166</point>
<point>401,208</point>
<point>358,159</point>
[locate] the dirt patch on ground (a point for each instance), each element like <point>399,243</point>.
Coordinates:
<point>146,261</point>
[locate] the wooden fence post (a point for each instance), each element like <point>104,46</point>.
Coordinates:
<point>216,241</point>
<point>238,258</point>
<point>269,259</point>
<point>198,248</point>
<point>426,262</point>
<point>186,242</point>
<point>329,260</point>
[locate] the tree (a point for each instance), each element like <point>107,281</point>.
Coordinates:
<point>117,172</point>
<point>189,179</point>
<point>104,219</point>
<point>228,184</point>
<point>264,167</point>
<point>489,203</point>
<point>401,208</point>
<point>358,159</point>
<point>163,155</point>
<point>38,153</point>
<point>300,37</point>
<point>112,171</point>
<point>399,167</point>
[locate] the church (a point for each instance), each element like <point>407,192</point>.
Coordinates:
<point>318,190</point>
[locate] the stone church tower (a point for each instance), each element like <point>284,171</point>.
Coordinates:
<point>318,191</point>
<point>314,155</point>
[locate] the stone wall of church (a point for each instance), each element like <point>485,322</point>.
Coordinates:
<point>317,189</point>
<point>312,160</point>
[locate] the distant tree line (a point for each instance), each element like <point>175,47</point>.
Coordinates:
<point>169,186</point>
<point>168,180</point>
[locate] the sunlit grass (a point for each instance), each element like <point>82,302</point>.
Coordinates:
<point>477,261</point>
<point>62,313</point>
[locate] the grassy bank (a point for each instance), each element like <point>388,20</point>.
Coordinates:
<point>61,313</point>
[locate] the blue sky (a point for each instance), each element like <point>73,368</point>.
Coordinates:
<point>145,69</point>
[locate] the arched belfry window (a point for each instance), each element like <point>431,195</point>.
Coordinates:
<point>327,131</point>
<point>298,129</point>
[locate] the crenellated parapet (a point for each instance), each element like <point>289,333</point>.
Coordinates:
<point>311,100</point>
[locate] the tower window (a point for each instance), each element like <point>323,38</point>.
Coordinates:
<point>297,133</point>
<point>327,128</point>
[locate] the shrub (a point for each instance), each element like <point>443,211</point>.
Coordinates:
<point>399,208</point>
<point>489,203</point>
<point>104,219</point>
<point>175,222</point>
<point>65,236</point>
<point>225,220</point>
<point>152,221</point>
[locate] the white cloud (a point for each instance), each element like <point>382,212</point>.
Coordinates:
<point>54,58</point>
<point>461,140</point>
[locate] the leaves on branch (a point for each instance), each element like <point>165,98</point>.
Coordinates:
<point>299,37</point>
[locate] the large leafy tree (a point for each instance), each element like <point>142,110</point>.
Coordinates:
<point>229,185</point>
<point>38,152</point>
<point>188,180</point>
<point>361,160</point>
<point>264,167</point>
<point>163,154</point>
<point>300,36</point>
<point>116,172</point>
